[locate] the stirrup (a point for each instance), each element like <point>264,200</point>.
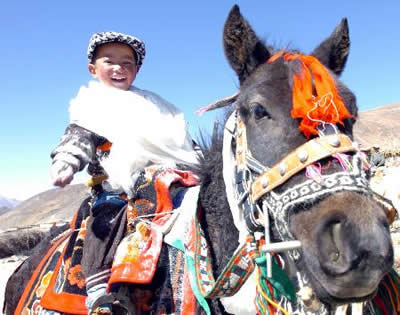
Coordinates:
<point>120,299</point>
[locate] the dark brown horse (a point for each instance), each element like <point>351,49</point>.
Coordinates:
<point>306,188</point>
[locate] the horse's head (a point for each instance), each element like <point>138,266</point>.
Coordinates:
<point>342,225</point>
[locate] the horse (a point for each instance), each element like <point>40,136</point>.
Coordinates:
<point>283,198</point>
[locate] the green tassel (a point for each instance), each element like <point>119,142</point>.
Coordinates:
<point>279,281</point>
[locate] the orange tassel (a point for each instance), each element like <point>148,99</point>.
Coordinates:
<point>325,106</point>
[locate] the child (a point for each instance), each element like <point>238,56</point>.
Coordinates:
<point>115,129</point>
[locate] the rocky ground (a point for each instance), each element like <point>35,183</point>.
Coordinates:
<point>386,182</point>
<point>396,244</point>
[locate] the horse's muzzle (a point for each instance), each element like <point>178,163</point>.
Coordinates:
<point>352,250</point>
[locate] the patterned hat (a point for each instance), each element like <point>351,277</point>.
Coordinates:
<point>100,38</point>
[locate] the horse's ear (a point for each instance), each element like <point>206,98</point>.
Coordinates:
<point>333,51</point>
<point>243,49</point>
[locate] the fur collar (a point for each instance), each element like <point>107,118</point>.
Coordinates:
<point>143,128</point>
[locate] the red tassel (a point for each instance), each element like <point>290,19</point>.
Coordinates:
<point>325,106</point>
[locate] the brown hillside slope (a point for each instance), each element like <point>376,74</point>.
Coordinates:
<point>380,126</point>
<point>50,206</point>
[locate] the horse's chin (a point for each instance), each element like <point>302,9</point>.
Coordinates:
<point>345,296</point>
<point>335,301</point>
<point>353,286</point>
<point>350,288</point>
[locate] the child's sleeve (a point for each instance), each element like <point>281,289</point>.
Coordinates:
<point>77,147</point>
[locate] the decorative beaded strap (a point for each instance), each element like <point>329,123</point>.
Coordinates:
<point>233,276</point>
<point>308,153</point>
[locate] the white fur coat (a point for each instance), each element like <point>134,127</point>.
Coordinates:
<point>142,127</point>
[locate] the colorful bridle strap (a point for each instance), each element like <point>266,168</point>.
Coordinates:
<point>310,152</point>
<point>250,190</point>
<point>307,154</point>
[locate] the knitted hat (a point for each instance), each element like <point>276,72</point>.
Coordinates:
<point>100,38</point>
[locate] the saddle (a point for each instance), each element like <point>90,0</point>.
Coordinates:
<point>58,283</point>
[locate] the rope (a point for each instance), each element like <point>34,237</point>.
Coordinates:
<point>387,300</point>
<point>396,292</point>
<point>262,291</point>
<point>271,289</point>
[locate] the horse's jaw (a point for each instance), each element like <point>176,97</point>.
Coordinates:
<point>364,255</point>
<point>307,301</point>
<point>310,304</point>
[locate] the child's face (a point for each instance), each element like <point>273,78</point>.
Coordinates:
<point>115,65</point>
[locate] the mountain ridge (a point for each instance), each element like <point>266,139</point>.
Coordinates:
<point>8,202</point>
<point>51,206</point>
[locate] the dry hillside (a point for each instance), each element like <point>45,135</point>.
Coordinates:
<point>51,206</point>
<point>379,126</point>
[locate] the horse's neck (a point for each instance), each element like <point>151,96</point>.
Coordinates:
<point>216,216</point>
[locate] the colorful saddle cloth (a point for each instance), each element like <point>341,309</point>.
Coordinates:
<point>58,283</point>
<point>148,221</point>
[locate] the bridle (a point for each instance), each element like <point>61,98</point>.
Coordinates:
<point>255,183</point>
<point>252,187</point>
<point>270,178</point>
<point>253,198</point>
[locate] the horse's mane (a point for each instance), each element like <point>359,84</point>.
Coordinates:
<point>211,146</point>
<point>213,195</point>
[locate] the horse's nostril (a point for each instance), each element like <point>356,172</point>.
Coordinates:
<point>335,232</point>
<point>343,247</point>
<point>334,256</point>
<point>332,248</point>
<point>335,229</point>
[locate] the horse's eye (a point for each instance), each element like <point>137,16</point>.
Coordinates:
<point>260,112</point>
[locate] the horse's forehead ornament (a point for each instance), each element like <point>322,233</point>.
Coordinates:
<point>315,97</point>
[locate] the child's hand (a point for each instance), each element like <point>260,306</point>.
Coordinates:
<point>62,173</point>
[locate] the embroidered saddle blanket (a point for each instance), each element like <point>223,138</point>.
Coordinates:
<point>59,284</point>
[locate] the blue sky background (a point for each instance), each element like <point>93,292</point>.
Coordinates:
<point>43,61</point>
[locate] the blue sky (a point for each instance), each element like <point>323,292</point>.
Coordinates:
<point>43,61</point>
